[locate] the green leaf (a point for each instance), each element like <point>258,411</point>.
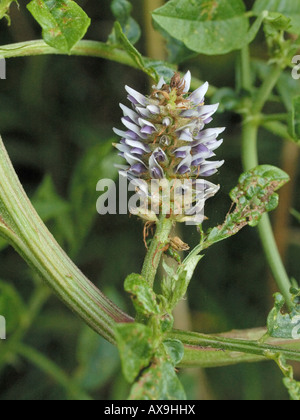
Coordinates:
<point>177,51</point>
<point>4,6</point>
<point>135,345</point>
<point>133,52</point>
<point>289,8</point>
<point>143,296</point>
<point>98,360</point>
<point>64,23</point>
<point>159,383</point>
<point>288,89</point>
<point>184,276</point>
<point>254,196</point>
<point>161,68</point>
<point>174,349</point>
<point>227,98</point>
<point>281,325</point>
<point>289,382</point>
<point>294,122</point>
<point>207,26</point>
<point>175,284</point>
<point>122,12</point>
<point>293,388</point>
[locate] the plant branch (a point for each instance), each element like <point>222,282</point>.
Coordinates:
<point>250,160</point>
<point>266,89</point>
<point>155,252</point>
<point>279,129</point>
<point>87,49</point>
<point>221,350</point>
<point>51,369</point>
<point>25,231</point>
<point>246,68</point>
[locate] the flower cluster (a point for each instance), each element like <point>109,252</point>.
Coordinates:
<point>166,139</point>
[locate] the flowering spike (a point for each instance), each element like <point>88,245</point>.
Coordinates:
<point>166,139</point>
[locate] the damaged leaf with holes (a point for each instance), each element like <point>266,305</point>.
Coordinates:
<point>143,296</point>
<point>159,382</point>
<point>254,195</point>
<point>136,350</point>
<point>285,325</point>
<point>64,23</point>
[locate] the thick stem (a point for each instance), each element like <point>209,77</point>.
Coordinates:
<point>83,48</point>
<point>23,228</point>
<point>86,48</point>
<point>154,254</point>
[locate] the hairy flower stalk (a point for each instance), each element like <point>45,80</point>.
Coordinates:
<point>168,149</point>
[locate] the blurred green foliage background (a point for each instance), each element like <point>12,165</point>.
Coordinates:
<point>56,119</point>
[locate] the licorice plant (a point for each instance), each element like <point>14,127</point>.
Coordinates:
<point>171,155</point>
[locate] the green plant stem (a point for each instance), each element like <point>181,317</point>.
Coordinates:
<point>211,351</point>
<point>246,68</point>
<point>25,231</point>
<point>154,254</point>
<point>250,160</point>
<point>86,48</point>
<point>83,48</point>
<point>279,129</point>
<point>51,369</point>
<point>266,89</point>
<point>266,118</point>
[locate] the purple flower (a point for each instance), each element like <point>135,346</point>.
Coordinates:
<point>166,136</point>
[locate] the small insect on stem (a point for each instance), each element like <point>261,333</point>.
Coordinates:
<point>173,248</point>
<point>178,245</point>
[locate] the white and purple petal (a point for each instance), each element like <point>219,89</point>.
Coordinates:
<point>187,80</point>
<point>182,152</point>
<point>210,168</point>
<point>156,171</point>
<point>144,112</point>
<point>134,117</point>
<point>160,155</point>
<point>138,144</point>
<point>135,97</point>
<point>206,111</point>
<point>126,134</point>
<point>185,166</point>
<point>197,97</point>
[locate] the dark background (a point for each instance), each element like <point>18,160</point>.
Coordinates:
<point>56,119</point>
